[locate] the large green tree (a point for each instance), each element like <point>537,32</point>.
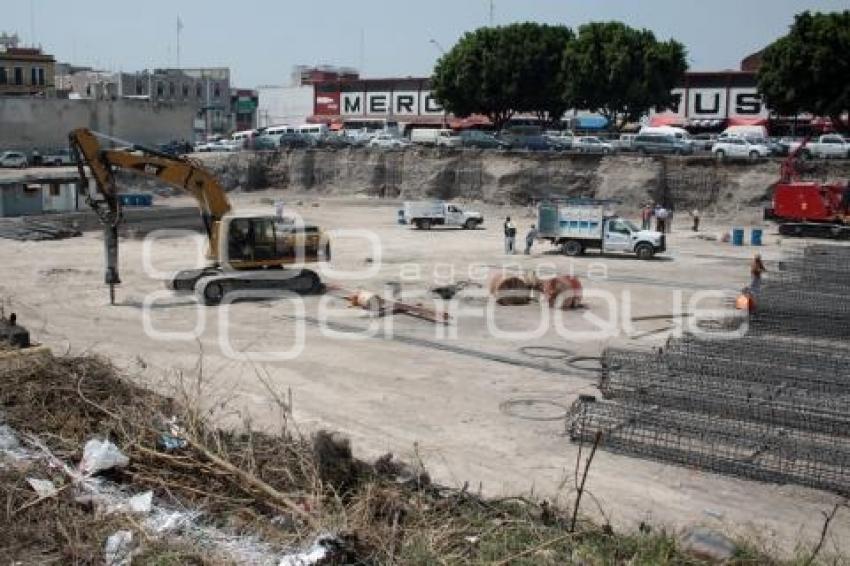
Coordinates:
<point>499,71</point>
<point>808,70</point>
<point>621,72</point>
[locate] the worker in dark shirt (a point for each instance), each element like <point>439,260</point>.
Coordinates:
<point>510,236</point>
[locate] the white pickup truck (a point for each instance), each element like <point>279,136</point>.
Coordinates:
<point>826,146</point>
<point>426,214</point>
<point>576,227</point>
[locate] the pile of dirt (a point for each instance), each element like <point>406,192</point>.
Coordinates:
<point>283,489</point>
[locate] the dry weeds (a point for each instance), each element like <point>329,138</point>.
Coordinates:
<point>286,487</point>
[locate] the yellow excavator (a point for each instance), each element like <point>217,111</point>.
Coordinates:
<point>245,252</point>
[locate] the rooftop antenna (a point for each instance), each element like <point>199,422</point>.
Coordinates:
<point>179,29</point>
<point>32,22</point>
<point>362,51</point>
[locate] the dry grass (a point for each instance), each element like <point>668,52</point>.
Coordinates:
<point>286,488</point>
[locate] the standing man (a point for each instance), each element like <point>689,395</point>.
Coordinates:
<point>757,268</point>
<point>529,239</point>
<point>695,216</point>
<point>646,216</point>
<point>660,219</point>
<point>510,236</point>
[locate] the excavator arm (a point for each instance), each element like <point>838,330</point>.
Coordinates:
<point>177,172</point>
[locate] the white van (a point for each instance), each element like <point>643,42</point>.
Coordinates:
<point>429,136</point>
<point>746,132</point>
<point>239,140</point>
<point>679,133</point>
<point>277,130</point>
<point>315,131</point>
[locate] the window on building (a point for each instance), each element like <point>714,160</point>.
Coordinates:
<point>54,189</point>
<point>19,75</point>
<point>172,90</point>
<point>4,78</point>
<point>88,90</point>
<point>185,91</point>
<point>138,88</point>
<point>217,91</point>
<point>33,76</point>
<point>41,79</point>
<point>199,92</point>
<point>160,89</point>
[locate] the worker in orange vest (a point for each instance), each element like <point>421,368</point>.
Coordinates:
<point>745,301</point>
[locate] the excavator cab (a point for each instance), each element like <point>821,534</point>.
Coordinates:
<point>258,242</point>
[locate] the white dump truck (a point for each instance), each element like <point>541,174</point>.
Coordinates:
<point>579,226</point>
<point>426,214</point>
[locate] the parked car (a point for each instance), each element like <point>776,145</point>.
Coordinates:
<point>704,142</point>
<point>171,148</point>
<point>13,159</point>
<point>58,157</point>
<point>826,146</point>
<point>739,148</point>
<point>336,141</point>
<point>662,144</point>
<point>592,144</point>
<point>481,140</point>
<point>625,142</point>
<point>293,140</point>
<point>265,143</point>
<point>560,140</point>
<point>387,141</point>
<point>447,138</point>
<point>531,142</point>
<point>427,136</point>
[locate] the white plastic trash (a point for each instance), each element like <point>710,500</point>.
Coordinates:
<point>44,488</point>
<point>100,455</point>
<point>119,549</point>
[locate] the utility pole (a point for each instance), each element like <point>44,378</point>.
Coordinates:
<point>32,22</point>
<point>492,12</point>
<point>179,29</point>
<point>362,51</point>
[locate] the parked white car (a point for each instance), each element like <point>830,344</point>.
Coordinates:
<point>388,141</point>
<point>826,146</point>
<point>13,159</point>
<point>448,138</point>
<point>591,144</point>
<point>734,147</point>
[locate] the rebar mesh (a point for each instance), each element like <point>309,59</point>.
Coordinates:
<point>773,405</point>
<point>756,451</point>
<point>746,392</point>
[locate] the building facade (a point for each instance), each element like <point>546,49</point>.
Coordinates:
<point>243,108</point>
<point>25,71</point>
<point>205,89</point>
<point>294,103</point>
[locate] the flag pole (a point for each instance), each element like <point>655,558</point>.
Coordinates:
<point>179,29</point>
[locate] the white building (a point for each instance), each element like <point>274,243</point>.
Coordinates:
<point>284,105</point>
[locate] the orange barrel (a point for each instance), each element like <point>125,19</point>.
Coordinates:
<point>509,289</point>
<point>563,291</point>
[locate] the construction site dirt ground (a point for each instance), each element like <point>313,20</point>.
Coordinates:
<point>469,399</point>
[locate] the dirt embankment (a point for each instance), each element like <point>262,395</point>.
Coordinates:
<point>511,177</point>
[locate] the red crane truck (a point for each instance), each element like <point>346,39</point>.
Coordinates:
<point>809,208</point>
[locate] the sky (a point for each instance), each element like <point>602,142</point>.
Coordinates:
<point>261,40</point>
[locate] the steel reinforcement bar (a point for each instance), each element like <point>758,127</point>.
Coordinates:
<point>758,451</point>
